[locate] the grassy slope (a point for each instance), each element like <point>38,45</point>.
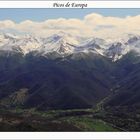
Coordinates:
<point>87,123</point>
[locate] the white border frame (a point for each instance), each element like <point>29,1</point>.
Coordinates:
<point>49,4</point>
<point>70,135</point>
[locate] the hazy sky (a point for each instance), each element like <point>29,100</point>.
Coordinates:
<point>19,15</point>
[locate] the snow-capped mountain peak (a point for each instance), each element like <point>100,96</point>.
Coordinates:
<point>117,50</point>
<point>65,44</point>
<point>60,43</point>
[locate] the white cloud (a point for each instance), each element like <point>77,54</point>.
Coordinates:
<point>7,24</point>
<point>92,25</point>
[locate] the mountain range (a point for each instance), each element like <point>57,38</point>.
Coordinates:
<point>65,44</point>
<point>67,72</point>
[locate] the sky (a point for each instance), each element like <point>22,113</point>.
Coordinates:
<point>102,23</point>
<point>19,15</point>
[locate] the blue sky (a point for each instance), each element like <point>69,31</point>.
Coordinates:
<point>19,15</point>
